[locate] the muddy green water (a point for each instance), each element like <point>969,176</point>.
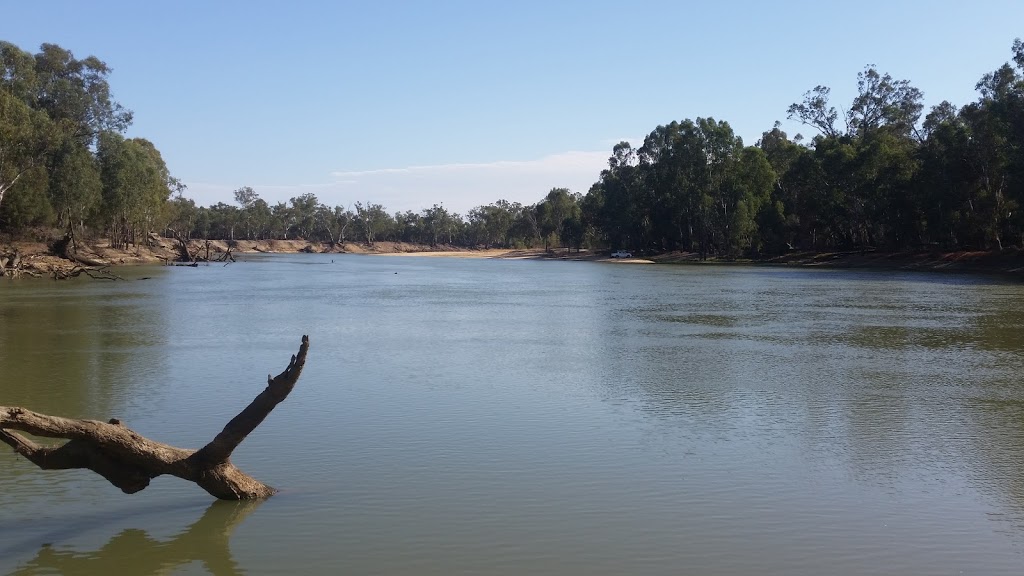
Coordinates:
<point>520,417</point>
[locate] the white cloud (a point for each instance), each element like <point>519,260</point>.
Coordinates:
<point>459,186</point>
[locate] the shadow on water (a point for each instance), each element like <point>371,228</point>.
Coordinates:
<point>135,551</point>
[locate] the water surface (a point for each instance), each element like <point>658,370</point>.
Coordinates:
<point>508,417</point>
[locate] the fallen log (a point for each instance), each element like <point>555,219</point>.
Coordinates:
<point>67,248</point>
<point>129,461</point>
<point>103,273</point>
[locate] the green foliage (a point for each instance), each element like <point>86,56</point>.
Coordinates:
<point>881,178</point>
<point>76,94</point>
<point>62,160</point>
<point>26,136</point>
<point>136,187</point>
<point>75,185</point>
<point>27,205</point>
<point>373,220</point>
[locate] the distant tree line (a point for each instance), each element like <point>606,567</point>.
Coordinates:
<point>501,224</point>
<point>876,175</point>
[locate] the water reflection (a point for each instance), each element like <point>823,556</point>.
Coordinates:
<point>74,349</point>
<point>134,551</point>
<point>81,350</point>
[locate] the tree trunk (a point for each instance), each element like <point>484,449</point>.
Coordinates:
<point>184,255</point>
<point>129,461</point>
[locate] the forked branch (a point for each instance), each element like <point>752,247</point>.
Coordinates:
<point>129,461</point>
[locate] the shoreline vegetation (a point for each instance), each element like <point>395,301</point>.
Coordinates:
<point>881,182</point>
<point>39,259</point>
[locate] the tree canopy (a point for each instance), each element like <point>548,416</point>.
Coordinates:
<point>880,172</point>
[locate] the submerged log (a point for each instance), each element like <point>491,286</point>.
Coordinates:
<point>129,461</point>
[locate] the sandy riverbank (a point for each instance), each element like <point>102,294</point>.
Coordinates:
<point>37,256</point>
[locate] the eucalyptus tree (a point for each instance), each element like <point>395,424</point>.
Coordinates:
<point>943,176</point>
<point>282,218</point>
<point>75,188</point>
<point>557,207</point>
<point>224,220</point>
<point>816,111</point>
<point>246,198</point>
<point>882,101</point>
<point>304,214</point>
<point>525,231</point>
<point>260,218</point>
<point>136,186</point>
<point>54,109</point>
<point>996,123</point>
<point>665,196</point>
<point>76,94</point>
<point>780,222</point>
<point>439,225</point>
<point>409,227</point>
<point>344,220</point>
<point>573,231</point>
<point>491,225</point>
<point>476,227</point>
<point>860,187</point>
<point>716,204</point>
<point>327,226</point>
<point>18,73</point>
<point>183,218</point>
<point>372,219</point>
<point>158,187</point>
<point>26,136</point>
<point>614,199</point>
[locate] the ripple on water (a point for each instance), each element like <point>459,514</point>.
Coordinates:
<point>551,418</point>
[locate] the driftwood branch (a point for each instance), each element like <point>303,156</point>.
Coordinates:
<point>14,266</point>
<point>103,273</point>
<point>129,461</point>
<point>278,388</point>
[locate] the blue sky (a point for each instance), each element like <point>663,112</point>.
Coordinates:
<point>464,102</point>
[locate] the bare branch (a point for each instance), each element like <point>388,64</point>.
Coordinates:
<point>128,460</point>
<point>278,388</point>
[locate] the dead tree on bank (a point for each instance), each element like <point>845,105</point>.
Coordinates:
<point>184,254</point>
<point>129,461</point>
<point>187,257</point>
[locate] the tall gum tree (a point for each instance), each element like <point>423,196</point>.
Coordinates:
<point>25,138</point>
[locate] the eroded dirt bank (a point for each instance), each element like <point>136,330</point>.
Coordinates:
<point>38,257</point>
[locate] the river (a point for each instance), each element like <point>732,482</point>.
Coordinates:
<point>461,416</point>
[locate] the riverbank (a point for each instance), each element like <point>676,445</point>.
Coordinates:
<point>37,256</point>
<point>1008,262</point>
